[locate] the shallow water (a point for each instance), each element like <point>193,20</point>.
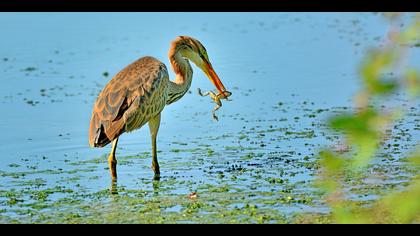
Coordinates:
<point>287,72</point>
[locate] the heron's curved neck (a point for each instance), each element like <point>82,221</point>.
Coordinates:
<point>183,72</point>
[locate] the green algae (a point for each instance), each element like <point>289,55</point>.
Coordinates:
<point>242,182</point>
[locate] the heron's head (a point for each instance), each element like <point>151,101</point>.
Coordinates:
<point>193,50</point>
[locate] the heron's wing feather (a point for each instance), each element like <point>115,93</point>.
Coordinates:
<point>121,97</point>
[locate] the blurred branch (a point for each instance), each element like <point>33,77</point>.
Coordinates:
<point>364,129</point>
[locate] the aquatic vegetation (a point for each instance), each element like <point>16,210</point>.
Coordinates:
<point>29,69</point>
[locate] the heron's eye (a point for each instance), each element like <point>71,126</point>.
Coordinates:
<point>204,54</point>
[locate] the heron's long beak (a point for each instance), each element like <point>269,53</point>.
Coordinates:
<point>214,78</point>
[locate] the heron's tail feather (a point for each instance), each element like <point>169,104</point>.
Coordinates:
<point>103,136</point>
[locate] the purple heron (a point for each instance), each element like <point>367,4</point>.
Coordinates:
<point>137,95</point>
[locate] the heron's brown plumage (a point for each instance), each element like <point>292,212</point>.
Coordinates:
<point>129,100</point>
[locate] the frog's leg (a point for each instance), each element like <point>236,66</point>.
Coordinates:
<point>214,111</point>
<point>202,94</point>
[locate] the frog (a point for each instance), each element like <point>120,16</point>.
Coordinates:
<point>216,97</point>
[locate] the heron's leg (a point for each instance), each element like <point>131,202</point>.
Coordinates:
<point>154,124</point>
<point>112,161</point>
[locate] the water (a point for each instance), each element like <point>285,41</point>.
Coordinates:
<point>278,66</point>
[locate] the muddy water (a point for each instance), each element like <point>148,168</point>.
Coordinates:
<point>287,73</point>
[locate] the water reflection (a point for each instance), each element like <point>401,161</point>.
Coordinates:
<point>156,186</point>
<point>114,187</point>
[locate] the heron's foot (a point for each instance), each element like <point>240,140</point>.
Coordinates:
<point>155,168</point>
<point>156,177</point>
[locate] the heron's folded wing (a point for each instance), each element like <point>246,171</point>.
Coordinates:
<point>131,86</point>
